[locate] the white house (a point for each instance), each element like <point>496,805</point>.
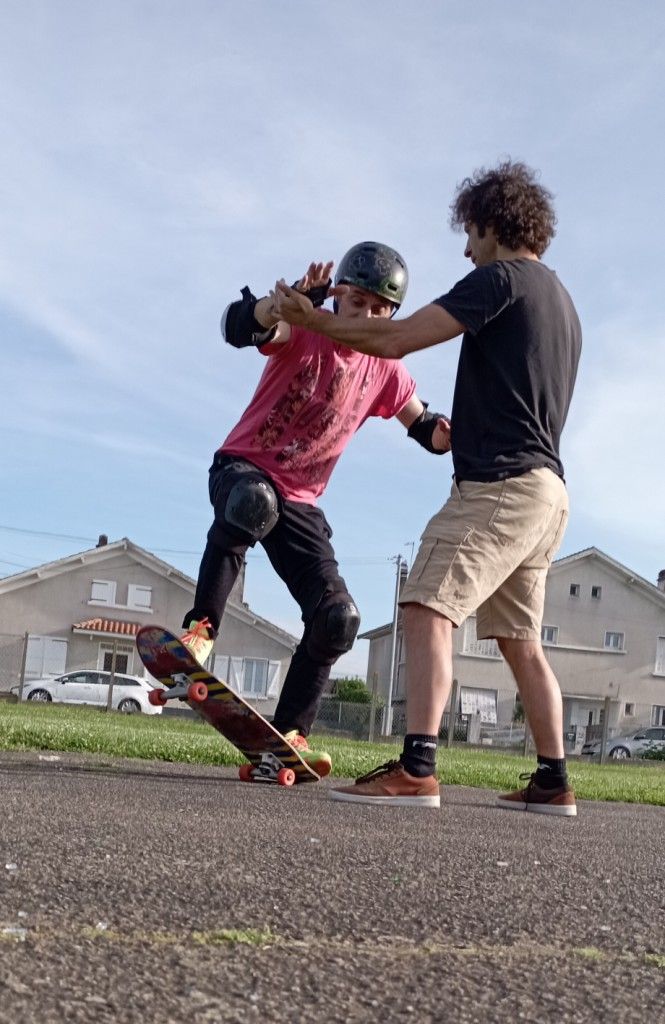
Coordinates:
<point>75,610</point>
<point>603,633</point>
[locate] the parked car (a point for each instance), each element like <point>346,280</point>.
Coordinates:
<point>634,745</point>
<point>130,693</point>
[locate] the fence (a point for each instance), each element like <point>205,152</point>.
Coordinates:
<point>366,721</point>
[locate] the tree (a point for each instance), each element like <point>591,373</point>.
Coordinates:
<point>352,690</point>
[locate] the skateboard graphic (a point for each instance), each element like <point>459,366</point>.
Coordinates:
<point>271,757</point>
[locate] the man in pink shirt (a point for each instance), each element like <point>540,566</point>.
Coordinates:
<point>267,475</point>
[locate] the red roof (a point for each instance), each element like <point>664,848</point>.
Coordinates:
<point>113,626</point>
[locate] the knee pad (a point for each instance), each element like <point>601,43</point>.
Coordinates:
<point>333,629</point>
<point>251,508</point>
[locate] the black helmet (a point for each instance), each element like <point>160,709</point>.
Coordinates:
<point>376,268</point>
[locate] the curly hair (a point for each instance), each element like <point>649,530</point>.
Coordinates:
<point>510,201</point>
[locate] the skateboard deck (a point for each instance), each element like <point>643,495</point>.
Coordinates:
<point>271,757</point>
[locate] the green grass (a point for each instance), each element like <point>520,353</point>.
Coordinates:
<point>186,740</point>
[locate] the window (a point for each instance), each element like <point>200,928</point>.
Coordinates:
<point>659,668</point>
<point>251,677</point>
<point>549,634</point>
<point>614,641</point>
<point>574,590</point>
<point>479,648</point>
<point>255,676</point>
<point>123,657</point>
<point>473,701</point>
<point>596,592</point>
<point>658,714</point>
<point>102,592</point>
<point>629,710</point>
<point>139,597</point>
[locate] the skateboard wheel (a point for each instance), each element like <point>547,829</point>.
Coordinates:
<point>157,698</point>
<point>286,776</point>
<point>245,772</point>
<point>197,692</point>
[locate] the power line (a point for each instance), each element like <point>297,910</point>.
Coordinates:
<point>348,560</point>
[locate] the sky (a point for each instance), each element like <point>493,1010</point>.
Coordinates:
<point>157,156</point>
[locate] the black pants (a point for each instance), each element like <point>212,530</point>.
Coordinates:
<point>300,551</point>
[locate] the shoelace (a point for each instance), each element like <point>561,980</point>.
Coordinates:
<point>198,632</point>
<point>383,769</point>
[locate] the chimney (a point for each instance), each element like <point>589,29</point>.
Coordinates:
<point>103,540</point>
<point>661,580</point>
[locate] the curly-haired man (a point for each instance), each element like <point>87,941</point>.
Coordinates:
<point>487,551</point>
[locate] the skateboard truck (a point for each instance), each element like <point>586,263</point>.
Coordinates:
<point>269,769</point>
<point>183,687</point>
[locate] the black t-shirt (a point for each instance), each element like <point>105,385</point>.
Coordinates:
<point>516,371</point>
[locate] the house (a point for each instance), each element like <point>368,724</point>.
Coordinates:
<point>603,634</point>
<point>77,610</point>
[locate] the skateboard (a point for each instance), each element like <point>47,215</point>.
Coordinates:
<point>271,757</point>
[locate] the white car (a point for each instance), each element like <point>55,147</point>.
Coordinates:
<point>634,745</point>
<point>130,693</point>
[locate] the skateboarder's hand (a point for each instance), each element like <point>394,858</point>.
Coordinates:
<point>441,435</point>
<point>317,275</point>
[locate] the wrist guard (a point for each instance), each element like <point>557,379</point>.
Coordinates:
<point>240,327</point>
<point>317,296</point>
<point>422,430</point>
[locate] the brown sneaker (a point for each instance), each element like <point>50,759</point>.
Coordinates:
<point>391,784</point>
<point>541,801</point>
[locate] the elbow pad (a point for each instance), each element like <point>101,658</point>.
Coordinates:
<point>422,429</point>
<point>240,327</point>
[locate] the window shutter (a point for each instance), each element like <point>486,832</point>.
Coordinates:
<point>236,675</point>
<point>273,679</point>
<point>46,656</point>
<point>660,656</point>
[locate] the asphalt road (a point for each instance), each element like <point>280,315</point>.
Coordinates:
<point>144,892</point>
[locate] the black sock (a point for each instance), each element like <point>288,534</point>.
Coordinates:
<point>551,772</point>
<point>419,754</point>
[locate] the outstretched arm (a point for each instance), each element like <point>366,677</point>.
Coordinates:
<point>252,321</point>
<point>390,339</point>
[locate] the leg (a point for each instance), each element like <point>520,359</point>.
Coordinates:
<point>548,790</point>
<point>300,696</point>
<point>300,551</point>
<point>429,667</point>
<point>218,572</point>
<point>539,692</point>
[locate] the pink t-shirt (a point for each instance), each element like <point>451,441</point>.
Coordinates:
<point>311,398</point>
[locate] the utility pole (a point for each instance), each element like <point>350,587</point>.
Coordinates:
<point>388,718</point>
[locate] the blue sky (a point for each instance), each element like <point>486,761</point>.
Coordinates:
<point>157,156</point>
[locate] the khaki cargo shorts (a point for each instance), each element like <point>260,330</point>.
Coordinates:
<point>488,551</point>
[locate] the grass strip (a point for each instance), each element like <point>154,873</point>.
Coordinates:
<point>67,728</point>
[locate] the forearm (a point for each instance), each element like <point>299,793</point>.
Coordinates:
<point>374,336</point>
<point>264,312</point>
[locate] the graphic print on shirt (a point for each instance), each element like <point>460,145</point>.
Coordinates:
<point>299,393</point>
<point>321,426</point>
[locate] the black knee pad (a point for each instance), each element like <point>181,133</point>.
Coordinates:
<point>333,629</point>
<point>251,507</point>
